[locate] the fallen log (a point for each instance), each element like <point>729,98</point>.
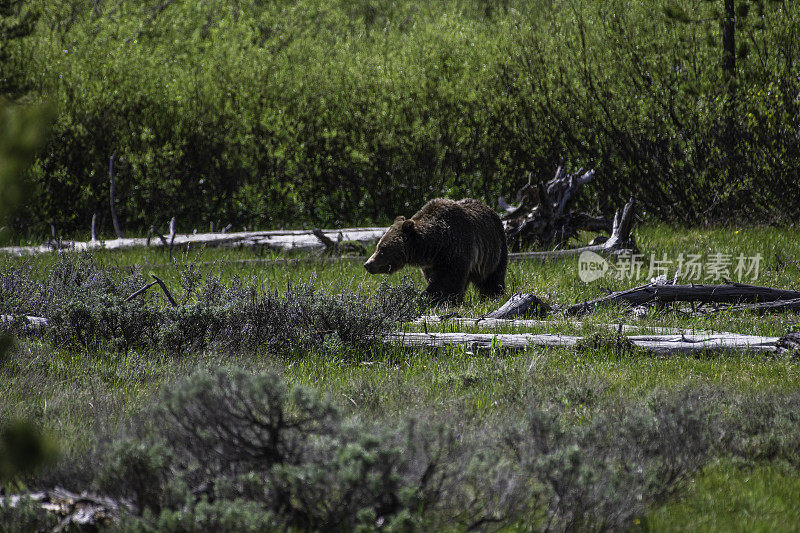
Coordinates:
<point>733,293</point>
<point>276,240</point>
<point>479,340</point>
<point>29,324</point>
<point>347,239</point>
<point>498,323</point>
<point>658,344</point>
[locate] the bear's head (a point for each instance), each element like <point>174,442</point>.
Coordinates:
<point>393,250</point>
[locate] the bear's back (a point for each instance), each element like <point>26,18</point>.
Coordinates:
<point>466,228</point>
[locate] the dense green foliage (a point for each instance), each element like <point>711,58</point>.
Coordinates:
<point>239,451</point>
<point>23,130</point>
<point>270,113</point>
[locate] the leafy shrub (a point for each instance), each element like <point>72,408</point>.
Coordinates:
<point>764,428</point>
<point>136,470</point>
<point>606,474</point>
<point>220,515</point>
<point>25,516</point>
<point>278,455</point>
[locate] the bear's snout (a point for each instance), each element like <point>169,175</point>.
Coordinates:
<point>374,266</point>
<point>370,266</point>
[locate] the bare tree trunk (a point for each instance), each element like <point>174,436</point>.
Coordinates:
<point>729,79</point>
<point>112,194</point>
<point>729,41</point>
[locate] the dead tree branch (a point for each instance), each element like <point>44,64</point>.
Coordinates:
<point>166,291</point>
<point>140,291</point>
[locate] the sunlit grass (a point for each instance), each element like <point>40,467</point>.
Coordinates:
<point>730,498</point>
<point>72,393</point>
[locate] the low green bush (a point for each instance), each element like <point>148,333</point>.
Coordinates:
<point>243,450</point>
<point>86,304</point>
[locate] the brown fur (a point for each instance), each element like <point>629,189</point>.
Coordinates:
<point>453,243</point>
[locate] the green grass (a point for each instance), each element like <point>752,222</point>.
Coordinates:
<point>73,393</point>
<point>730,498</point>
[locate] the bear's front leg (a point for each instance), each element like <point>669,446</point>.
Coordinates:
<point>495,284</point>
<point>446,284</point>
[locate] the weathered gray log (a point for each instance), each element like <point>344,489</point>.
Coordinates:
<point>498,323</point>
<point>521,305</point>
<point>658,344</point>
<point>277,240</point>
<point>30,324</point>
<point>479,340</point>
<point>729,293</point>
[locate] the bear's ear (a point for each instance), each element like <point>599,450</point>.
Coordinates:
<point>399,219</point>
<point>408,226</point>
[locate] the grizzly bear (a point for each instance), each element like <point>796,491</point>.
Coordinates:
<point>453,243</point>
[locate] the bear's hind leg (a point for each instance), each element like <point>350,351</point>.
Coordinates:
<point>494,285</point>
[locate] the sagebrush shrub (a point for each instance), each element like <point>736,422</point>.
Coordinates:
<point>85,304</point>
<point>287,457</point>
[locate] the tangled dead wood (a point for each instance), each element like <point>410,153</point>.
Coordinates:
<point>78,512</point>
<point>544,215</point>
<point>738,297</point>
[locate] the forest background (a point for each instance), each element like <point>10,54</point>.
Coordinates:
<point>289,113</point>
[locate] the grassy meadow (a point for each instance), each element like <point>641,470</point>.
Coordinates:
<point>86,397</point>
